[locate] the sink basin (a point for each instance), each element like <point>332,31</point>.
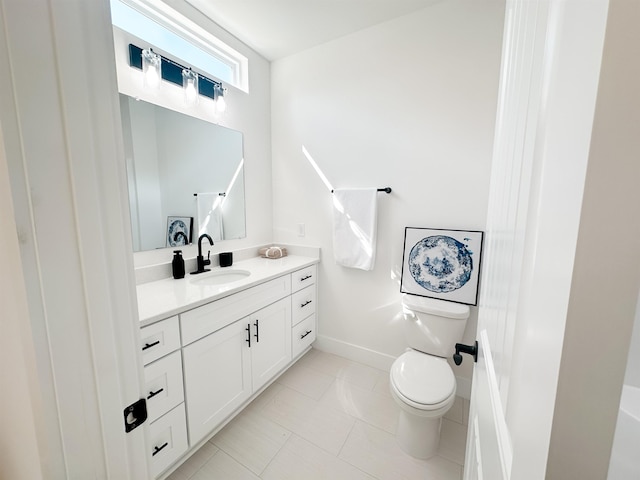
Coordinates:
<point>220,277</point>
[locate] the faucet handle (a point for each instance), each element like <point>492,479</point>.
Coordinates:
<point>208,260</point>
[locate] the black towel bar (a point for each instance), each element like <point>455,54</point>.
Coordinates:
<point>385,189</point>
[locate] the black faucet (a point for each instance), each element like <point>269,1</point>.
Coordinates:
<point>200,259</point>
<point>178,234</point>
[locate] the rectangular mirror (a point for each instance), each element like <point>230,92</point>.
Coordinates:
<point>184,174</point>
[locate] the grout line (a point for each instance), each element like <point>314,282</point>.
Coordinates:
<point>204,463</point>
<point>347,461</point>
<point>278,452</point>
<point>346,438</point>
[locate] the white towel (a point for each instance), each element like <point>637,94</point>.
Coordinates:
<point>354,227</point>
<point>210,215</point>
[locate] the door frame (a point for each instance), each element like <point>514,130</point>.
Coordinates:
<point>552,54</point>
<point>63,142</point>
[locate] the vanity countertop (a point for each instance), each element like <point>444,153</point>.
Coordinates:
<point>164,298</point>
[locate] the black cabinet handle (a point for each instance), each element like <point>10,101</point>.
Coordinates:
<point>305,334</point>
<point>306,278</point>
<point>157,449</point>
<point>302,305</point>
<point>153,394</point>
<point>248,339</point>
<point>149,345</point>
<point>257,331</point>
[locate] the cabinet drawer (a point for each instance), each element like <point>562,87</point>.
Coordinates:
<point>303,335</point>
<point>168,437</point>
<point>163,385</point>
<point>159,339</point>
<point>204,320</point>
<point>303,304</point>
<point>303,278</point>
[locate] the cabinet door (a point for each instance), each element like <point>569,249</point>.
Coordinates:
<point>217,378</point>
<point>270,341</point>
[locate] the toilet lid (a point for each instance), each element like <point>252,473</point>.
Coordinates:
<point>423,379</point>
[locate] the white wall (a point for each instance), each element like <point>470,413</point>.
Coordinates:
<point>248,113</point>
<point>408,104</point>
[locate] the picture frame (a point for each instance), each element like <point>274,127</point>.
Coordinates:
<point>442,264</point>
<point>177,225</point>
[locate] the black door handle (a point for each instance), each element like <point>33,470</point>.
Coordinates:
<point>468,349</point>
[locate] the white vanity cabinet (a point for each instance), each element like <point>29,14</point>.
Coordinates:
<point>164,393</point>
<point>303,306</point>
<point>249,344</point>
<point>217,377</point>
<point>204,364</point>
<point>270,347</point>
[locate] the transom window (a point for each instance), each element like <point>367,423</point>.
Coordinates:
<point>164,28</point>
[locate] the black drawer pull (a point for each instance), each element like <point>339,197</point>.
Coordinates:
<point>302,305</point>
<point>306,278</point>
<point>248,339</point>
<point>257,335</point>
<point>305,334</point>
<point>157,449</point>
<point>149,345</point>
<point>153,394</point>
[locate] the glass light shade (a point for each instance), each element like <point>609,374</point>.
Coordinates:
<point>221,104</point>
<point>151,69</point>
<point>190,86</point>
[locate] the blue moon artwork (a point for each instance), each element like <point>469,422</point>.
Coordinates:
<point>440,264</point>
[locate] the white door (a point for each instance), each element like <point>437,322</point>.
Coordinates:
<point>550,68</point>
<point>64,153</point>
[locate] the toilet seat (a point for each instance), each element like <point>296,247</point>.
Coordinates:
<point>422,381</point>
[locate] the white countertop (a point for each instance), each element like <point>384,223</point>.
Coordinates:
<point>165,298</point>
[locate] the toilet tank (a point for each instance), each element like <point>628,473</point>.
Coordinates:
<point>433,326</point>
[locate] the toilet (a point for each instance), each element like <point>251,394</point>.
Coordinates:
<point>421,380</point>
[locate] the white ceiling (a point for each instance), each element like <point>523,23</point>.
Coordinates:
<point>278,28</point>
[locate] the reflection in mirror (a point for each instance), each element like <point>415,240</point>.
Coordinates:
<point>179,169</point>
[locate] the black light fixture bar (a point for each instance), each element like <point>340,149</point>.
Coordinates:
<point>172,72</point>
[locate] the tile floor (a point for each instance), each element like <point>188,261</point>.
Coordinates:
<point>325,418</point>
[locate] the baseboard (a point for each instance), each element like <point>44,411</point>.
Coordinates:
<point>374,359</point>
<point>381,361</point>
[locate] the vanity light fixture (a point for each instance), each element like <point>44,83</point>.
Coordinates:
<point>175,73</point>
<point>151,69</point>
<point>190,86</point>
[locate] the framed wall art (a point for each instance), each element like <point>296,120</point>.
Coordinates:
<point>179,231</point>
<point>442,264</point>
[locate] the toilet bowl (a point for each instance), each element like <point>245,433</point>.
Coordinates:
<point>421,380</point>
<point>424,387</point>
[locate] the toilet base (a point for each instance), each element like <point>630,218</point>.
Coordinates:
<point>418,436</point>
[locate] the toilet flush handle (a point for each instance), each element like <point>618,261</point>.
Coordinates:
<point>469,349</point>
